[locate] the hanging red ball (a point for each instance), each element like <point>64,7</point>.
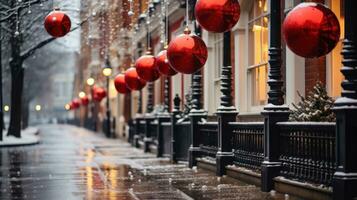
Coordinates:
<point>217,16</point>
<point>57,23</point>
<point>85,101</point>
<point>311,30</point>
<point>162,64</point>
<point>76,103</point>
<point>187,53</point>
<point>120,85</point>
<point>99,94</point>
<point>146,68</point>
<point>132,79</point>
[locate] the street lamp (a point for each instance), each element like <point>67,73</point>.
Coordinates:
<point>6,108</point>
<point>38,108</point>
<point>81,94</point>
<point>67,107</point>
<point>90,81</point>
<point>107,72</point>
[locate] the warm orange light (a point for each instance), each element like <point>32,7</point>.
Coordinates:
<point>107,71</point>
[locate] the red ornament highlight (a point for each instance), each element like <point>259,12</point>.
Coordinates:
<point>85,101</point>
<point>57,23</point>
<point>217,16</point>
<point>311,30</point>
<point>120,84</point>
<point>146,68</point>
<point>187,53</point>
<point>132,79</point>
<point>162,64</point>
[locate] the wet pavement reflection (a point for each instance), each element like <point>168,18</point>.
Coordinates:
<point>72,163</point>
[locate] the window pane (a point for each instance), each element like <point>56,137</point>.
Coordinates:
<point>259,77</point>
<point>258,52</point>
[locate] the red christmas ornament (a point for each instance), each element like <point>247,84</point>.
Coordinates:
<point>84,101</point>
<point>120,85</point>
<point>187,53</point>
<point>162,64</point>
<point>217,15</point>
<point>146,68</point>
<point>76,103</point>
<point>99,93</point>
<point>311,30</point>
<point>57,23</point>
<point>132,79</point>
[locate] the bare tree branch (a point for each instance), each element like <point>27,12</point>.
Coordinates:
<point>33,49</point>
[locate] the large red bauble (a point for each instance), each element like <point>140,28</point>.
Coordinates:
<point>217,15</point>
<point>187,53</point>
<point>57,23</point>
<point>76,103</point>
<point>311,30</point>
<point>162,64</point>
<point>146,68</point>
<point>132,79</point>
<point>84,101</point>
<point>120,85</point>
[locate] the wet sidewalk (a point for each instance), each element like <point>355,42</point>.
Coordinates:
<point>72,163</point>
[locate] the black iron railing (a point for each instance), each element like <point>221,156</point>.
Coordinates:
<point>208,132</point>
<point>248,144</point>
<point>141,128</point>
<point>307,151</point>
<point>183,141</point>
<point>153,126</point>
<point>166,139</point>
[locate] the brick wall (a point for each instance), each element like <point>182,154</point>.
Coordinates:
<point>315,70</point>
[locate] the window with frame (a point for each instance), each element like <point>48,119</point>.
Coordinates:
<point>258,52</point>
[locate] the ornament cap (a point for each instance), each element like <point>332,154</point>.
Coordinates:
<point>56,8</point>
<point>187,31</point>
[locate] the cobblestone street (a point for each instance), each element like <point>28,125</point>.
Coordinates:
<point>73,163</point>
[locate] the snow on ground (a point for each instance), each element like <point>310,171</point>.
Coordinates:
<point>28,137</point>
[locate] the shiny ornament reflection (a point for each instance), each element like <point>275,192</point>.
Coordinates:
<point>187,53</point>
<point>57,23</point>
<point>311,30</point>
<point>132,79</point>
<point>146,68</point>
<point>217,15</point>
<point>120,85</point>
<point>162,64</point>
